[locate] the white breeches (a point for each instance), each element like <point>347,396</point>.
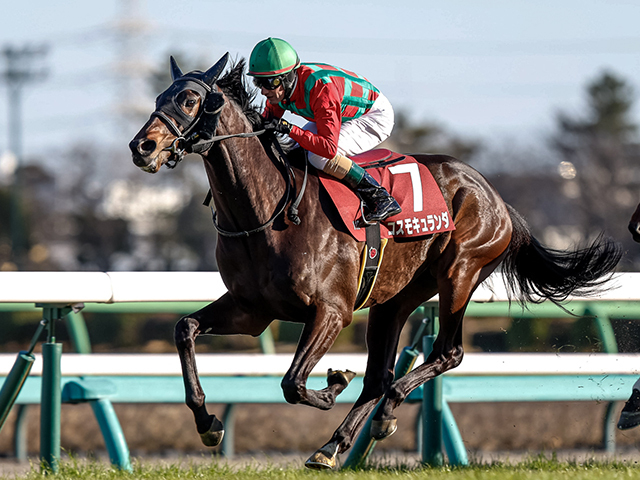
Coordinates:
<point>360,134</point>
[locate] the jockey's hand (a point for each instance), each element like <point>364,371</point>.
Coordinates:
<point>278,126</point>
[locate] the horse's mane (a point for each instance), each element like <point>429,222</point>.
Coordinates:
<point>234,86</point>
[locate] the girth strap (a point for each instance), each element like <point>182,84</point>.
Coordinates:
<point>371,261</point>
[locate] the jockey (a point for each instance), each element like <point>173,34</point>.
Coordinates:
<point>347,115</point>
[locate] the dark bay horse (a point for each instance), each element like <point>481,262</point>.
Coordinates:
<point>275,268</point>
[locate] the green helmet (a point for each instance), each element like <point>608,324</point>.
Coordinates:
<point>272,57</point>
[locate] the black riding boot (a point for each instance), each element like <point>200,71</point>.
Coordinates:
<point>379,204</point>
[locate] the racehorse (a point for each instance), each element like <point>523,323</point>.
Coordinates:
<point>304,267</point>
<point>634,224</point>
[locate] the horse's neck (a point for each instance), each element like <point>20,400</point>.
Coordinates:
<point>246,185</point>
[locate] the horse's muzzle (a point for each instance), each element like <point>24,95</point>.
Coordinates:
<point>141,151</point>
<point>142,147</point>
<point>149,165</point>
<point>139,161</point>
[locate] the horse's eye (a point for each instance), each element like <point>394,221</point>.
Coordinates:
<point>190,103</point>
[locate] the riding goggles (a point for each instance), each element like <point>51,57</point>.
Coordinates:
<point>270,83</point>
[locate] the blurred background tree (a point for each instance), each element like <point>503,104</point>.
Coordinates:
<point>590,180</point>
<point>428,137</point>
<point>599,160</point>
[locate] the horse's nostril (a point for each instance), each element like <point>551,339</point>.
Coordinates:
<point>142,146</point>
<point>146,147</point>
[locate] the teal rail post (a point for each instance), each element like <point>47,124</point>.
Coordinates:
<point>20,446</point>
<point>78,332</point>
<point>51,395</point>
<point>603,324</point>
<point>10,391</point>
<point>431,400</point>
<point>11,388</point>
<point>227,449</point>
<point>453,444</point>
<point>17,376</point>
<point>112,433</point>
<point>13,383</point>
<point>609,345</point>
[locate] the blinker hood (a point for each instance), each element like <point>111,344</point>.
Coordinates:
<point>167,100</point>
<point>199,82</point>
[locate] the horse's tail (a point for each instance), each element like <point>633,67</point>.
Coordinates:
<point>534,273</point>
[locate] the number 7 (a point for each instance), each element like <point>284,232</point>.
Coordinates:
<point>416,183</point>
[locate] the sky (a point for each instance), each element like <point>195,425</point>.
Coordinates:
<point>487,69</point>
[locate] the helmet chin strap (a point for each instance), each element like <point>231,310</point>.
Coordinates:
<point>289,82</point>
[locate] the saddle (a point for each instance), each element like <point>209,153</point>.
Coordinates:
<point>424,211</point>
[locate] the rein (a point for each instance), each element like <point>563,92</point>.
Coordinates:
<point>195,144</point>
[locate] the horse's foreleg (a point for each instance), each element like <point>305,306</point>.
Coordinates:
<point>317,338</point>
<point>383,331</point>
<point>222,318</point>
<point>209,427</point>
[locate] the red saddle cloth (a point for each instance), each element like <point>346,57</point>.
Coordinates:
<point>424,211</point>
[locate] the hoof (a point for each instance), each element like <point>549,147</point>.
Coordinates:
<point>213,436</point>
<point>628,420</point>
<point>340,376</point>
<point>381,429</point>
<point>323,459</point>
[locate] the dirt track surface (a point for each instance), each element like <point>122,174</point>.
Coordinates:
<point>299,430</point>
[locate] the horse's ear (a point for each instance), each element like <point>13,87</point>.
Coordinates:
<point>210,76</point>
<point>175,69</point>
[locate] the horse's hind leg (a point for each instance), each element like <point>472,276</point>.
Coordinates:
<point>317,338</point>
<point>222,317</point>
<point>446,354</point>
<point>455,287</point>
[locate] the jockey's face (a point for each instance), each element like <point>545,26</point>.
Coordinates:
<point>274,96</point>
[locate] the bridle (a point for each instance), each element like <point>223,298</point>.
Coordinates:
<point>190,139</point>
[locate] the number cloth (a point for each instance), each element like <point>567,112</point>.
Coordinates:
<point>424,211</point>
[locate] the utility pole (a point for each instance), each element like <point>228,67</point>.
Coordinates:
<point>132,66</point>
<point>19,71</point>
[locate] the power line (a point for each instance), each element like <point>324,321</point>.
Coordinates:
<point>374,46</point>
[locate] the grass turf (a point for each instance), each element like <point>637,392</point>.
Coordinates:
<point>540,467</point>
